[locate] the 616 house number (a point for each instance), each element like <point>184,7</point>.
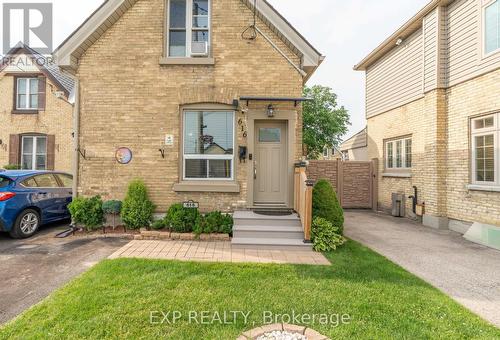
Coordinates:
<point>191,205</point>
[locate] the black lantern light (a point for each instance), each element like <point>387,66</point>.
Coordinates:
<point>270,111</point>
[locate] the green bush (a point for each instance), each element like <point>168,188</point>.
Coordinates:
<point>87,211</point>
<point>326,205</point>
<point>112,207</point>
<point>159,224</point>
<point>137,210</point>
<point>180,219</point>
<point>325,236</point>
<point>12,167</point>
<point>214,222</point>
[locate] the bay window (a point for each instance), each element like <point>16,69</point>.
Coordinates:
<point>188,28</point>
<point>208,144</point>
<point>398,154</point>
<point>484,141</point>
<point>34,153</point>
<point>491,26</point>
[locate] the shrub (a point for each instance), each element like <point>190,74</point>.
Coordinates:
<point>87,211</point>
<point>182,220</point>
<point>326,205</point>
<point>159,224</point>
<point>12,167</point>
<point>137,210</point>
<point>214,222</point>
<point>112,207</point>
<point>325,236</point>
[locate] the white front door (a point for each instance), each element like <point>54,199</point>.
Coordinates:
<point>270,163</point>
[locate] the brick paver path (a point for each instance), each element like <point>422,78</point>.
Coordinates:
<point>214,252</point>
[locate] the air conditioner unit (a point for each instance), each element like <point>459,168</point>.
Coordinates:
<point>199,49</point>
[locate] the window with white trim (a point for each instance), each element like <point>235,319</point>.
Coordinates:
<point>34,153</point>
<point>188,29</point>
<point>208,138</point>
<point>491,26</point>
<point>27,94</point>
<point>398,154</point>
<point>485,134</point>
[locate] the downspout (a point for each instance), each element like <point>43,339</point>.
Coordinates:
<point>76,137</point>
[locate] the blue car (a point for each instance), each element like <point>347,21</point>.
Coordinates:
<point>29,199</point>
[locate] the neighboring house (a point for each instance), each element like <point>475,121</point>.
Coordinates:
<point>356,147</point>
<point>331,153</point>
<point>35,115</point>
<point>209,104</point>
<point>433,109</point>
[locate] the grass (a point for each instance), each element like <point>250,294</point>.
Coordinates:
<point>115,298</point>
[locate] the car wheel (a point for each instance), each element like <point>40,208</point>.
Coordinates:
<point>27,223</point>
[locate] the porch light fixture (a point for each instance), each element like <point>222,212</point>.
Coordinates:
<point>270,110</point>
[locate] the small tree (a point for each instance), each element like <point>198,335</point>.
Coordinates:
<point>326,205</point>
<point>137,210</point>
<point>324,121</point>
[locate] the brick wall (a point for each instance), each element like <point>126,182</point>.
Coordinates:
<point>129,99</point>
<point>439,126</point>
<point>55,120</point>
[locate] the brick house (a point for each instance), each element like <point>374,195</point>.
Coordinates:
<point>205,104</point>
<point>433,110</point>
<point>36,115</point>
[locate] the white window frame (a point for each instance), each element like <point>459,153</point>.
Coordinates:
<point>189,29</point>
<point>33,152</point>
<point>325,152</point>
<point>208,157</point>
<point>486,4</point>
<point>394,142</point>
<point>28,94</point>
<point>475,132</point>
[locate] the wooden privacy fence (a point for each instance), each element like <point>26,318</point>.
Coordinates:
<point>303,199</point>
<point>354,181</point>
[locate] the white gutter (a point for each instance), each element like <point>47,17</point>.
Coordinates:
<point>76,137</point>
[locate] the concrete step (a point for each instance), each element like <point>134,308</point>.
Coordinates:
<point>252,231</point>
<point>270,244</point>
<point>249,218</point>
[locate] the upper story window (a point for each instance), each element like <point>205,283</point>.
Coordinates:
<point>485,134</point>
<point>208,145</point>
<point>492,26</point>
<point>188,28</point>
<point>398,154</point>
<point>27,94</point>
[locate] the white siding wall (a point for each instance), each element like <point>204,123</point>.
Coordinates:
<point>396,78</point>
<point>445,51</point>
<point>465,42</point>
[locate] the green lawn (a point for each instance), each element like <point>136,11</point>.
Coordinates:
<point>115,298</point>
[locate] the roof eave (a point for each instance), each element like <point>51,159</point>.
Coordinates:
<point>403,32</point>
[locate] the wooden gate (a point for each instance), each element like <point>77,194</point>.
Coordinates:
<point>354,181</point>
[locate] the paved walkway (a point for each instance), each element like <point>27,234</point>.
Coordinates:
<point>467,272</point>
<point>214,252</point>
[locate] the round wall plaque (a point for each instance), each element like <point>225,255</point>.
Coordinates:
<point>123,155</point>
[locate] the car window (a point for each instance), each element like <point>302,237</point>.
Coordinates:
<point>29,183</point>
<point>46,181</point>
<point>67,180</point>
<point>4,182</point>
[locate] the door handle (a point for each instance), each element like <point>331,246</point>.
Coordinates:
<point>254,170</point>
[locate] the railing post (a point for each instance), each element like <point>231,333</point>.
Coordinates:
<point>308,211</point>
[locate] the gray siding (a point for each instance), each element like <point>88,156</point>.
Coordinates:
<point>465,42</point>
<point>430,29</point>
<point>396,78</point>
<point>359,140</point>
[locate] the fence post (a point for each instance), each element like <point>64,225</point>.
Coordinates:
<point>308,211</point>
<point>340,181</point>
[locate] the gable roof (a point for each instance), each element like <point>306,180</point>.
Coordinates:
<point>48,68</point>
<point>403,32</point>
<point>110,11</point>
<point>359,140</point>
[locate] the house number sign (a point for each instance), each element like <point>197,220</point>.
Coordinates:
<point>191,205</point>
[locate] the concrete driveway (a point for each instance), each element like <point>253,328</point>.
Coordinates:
<point>467,272</point>
<point>31,269</point>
